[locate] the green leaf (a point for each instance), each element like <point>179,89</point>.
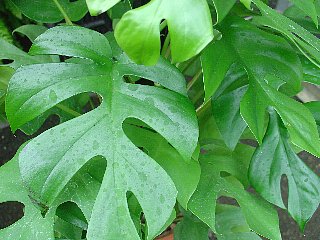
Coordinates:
<point>64,149</point>
<point>314,108</point>
<point>32,225</point>
<point>275,158</point>
<point>309,8</point>
<point>47,11</point>
<point>185,175</point>
<point>219,169</point>
<point>97,7</point>
<point>274,69</point>
<point>307,43</point>
<point>138,32</point>
<point>31,31</point>
<point>226,105</point>
<point>222,8</point>
<point>311,73</point>
<point>231,224</point>
<point>191,228</point>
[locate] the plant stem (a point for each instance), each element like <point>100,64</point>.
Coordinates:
<point>163,25</point>
<point>194,79</point>
<point>68,110</point>
<point>65,15</point>
<point>164,51</point>
<point>203,107</point>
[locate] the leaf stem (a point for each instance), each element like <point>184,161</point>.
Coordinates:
<point>194,79</point>
<point>68,110</point>
<point>65,15</point>
<point>163,25</point>
<point>203,107</point>
<point>166,47</point>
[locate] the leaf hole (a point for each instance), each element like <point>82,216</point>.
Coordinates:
<point>10,212</point>
<point>6,61</point>
<point>71,213</point>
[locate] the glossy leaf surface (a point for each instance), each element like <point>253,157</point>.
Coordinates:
<point>260,216</point>
<point>275,158</point>
<point>138,33</point>
<point>64,149</point>
<point>50,12</point>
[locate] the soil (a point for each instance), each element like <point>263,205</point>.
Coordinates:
<point>9,212</point>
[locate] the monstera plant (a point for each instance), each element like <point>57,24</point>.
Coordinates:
<point>183,105</point>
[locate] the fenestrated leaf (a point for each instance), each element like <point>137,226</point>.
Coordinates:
<point>259,214</point>
<point>19,57</point>
<point>185,175</point>
<point>272,67</point>
<point>138,32</point>
<point>47,11</point>
<point>64,149</point>
<point>274,158</point>
<point>32,225</point>
<point>231,224</point>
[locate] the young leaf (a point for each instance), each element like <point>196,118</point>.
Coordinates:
<point>32,225</point>
<point>260,216</point>
<point>138,33</point>
<point>49,11</point>
<point>97,7</point>
<point>50,160</point>
<point>274,158</point>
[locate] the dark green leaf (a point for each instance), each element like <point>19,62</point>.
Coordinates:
<point>275,158</point>
<point>47,11</point>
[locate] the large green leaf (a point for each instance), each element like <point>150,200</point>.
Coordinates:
<point>307,43</point>
<point>273,69</point>
<point>32,225</point>
<point>50,160</point>
<point>314,108</point>
<point>99,6</point>
<point>220,171</point>
<point>138,32</point>
<point>311,73</point>
<point>47,11</point>
<point>275,158</point>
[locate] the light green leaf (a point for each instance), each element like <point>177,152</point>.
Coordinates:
<point>275,158</point>
<point>97,7</point>
<point>138,32</point>
<point>216,163</point>
<point>32,225</point>
<point>47,11</point>
<point>64,149</point>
